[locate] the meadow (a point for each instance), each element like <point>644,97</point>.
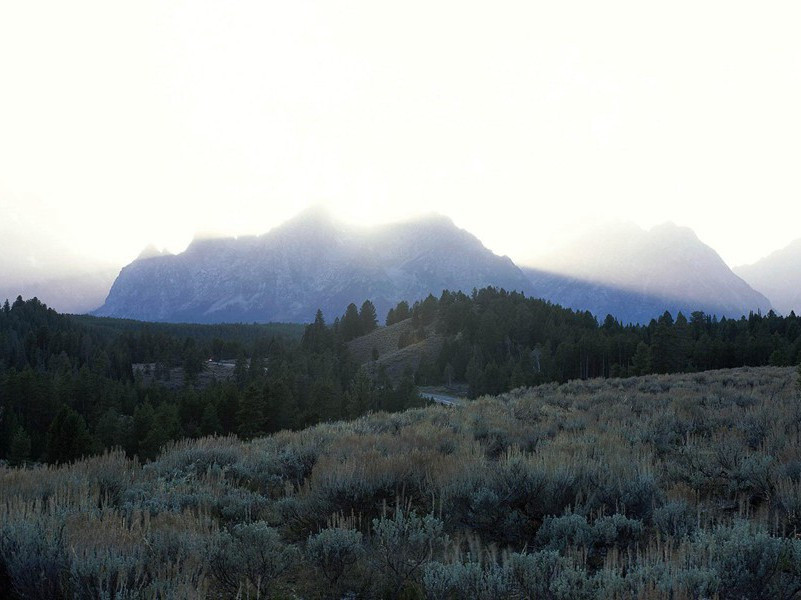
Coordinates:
<point>660,486</point>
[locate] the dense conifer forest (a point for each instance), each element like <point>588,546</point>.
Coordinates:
<point>497,341</point>
<point>68,386</point>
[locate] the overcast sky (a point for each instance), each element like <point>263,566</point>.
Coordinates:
<point>124,123</point>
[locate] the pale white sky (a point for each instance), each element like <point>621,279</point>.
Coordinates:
<point>124,123</point>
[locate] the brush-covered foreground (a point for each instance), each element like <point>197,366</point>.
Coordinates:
<point>681,486</point>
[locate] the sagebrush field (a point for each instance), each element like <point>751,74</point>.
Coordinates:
<point>680,486</point>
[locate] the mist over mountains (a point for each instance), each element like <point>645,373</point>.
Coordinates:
<point>31,266</point>
<point>314,261</point>
<point>778,275</point>
<point>636,275</point>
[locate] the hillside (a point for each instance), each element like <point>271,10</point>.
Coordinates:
<point>395,357</point>
<point>682,486</point>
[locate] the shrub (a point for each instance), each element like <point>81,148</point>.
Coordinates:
<point>33,555</point>
<point>560,533</point>
<point>250,558</point>
<point>751,563</point>
<point>404,543</point>
<point>675,519</point>
<point>333,551</point>
<point>469,580</point>
<point>616,530</point>
<point>548,576</point>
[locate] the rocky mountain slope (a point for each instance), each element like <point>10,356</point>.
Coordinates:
<point>310,262</point>
<point>778,276</point>
<point>636,275</point>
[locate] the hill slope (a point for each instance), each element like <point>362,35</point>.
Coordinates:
<point>657,487</point>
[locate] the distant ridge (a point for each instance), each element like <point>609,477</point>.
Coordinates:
<point>779,276</point>
<point>315,261</point>
<point>636,275</point>
<point>312,261</point>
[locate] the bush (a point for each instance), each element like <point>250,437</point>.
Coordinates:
<point>33,555</point>
<point>560,533</point>
<point>333,551</point>
<point>616,530</point>
<point>675,519</point>
<point>751,563</point>
<point>404,543</point>
<point>548,576</point>
<point>250,558</point>
<point>470,580</point>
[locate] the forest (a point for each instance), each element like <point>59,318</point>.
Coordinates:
<point>68,389</point>
<point>497,341</point>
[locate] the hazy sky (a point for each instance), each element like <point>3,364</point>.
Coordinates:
<point>123,123</point>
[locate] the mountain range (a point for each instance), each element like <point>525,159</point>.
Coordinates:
<point>636,275</point>
<point>314,261</point>
<point>36,266</point>
<point>778,276</point>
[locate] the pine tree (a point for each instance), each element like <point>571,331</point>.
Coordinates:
<point>251,417</point>
<point>368,317</point>
<point>402,311</point>
<point>359,397</point>
<point>20,449</point>
<point>209,420</point>
<point>68,438</point>
<point>351,324</point>
<point>316,337</point>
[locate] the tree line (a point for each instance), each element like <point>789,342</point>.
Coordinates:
<point>68,389</point>
<point>497,340</point>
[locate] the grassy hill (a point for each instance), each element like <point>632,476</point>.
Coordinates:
<point>394,359</point>
<point>662,486</point>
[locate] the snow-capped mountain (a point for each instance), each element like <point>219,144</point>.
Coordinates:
<point>636,275</point>
<point>310,262</point>
<point>779,276</point>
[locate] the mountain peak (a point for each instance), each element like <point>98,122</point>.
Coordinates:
<point>311,262</point>
<point>670,230</point>
<point>316,214</point>
<point>151,251</point>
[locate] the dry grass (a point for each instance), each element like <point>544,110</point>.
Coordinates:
<point>697,451</point>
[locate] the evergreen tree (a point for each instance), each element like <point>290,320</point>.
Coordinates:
<point>641,363</point>
<point>68,438</point>
<point>351,323</point>
<point>251,417</point>
<point>282,405</point>
<point>402,311</point>
<point>316,337</point>
<point>368,317</point>
<point>20,449</point>
<point>193,360</point>
<point>209,420</point>
<point>360,397</point>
